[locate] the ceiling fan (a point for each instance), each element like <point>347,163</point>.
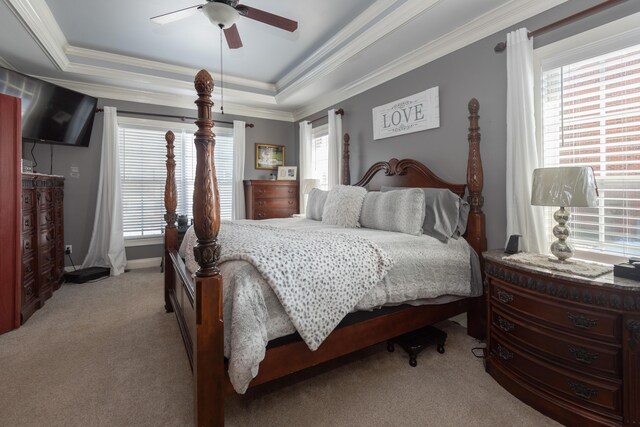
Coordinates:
<point>224,14</point>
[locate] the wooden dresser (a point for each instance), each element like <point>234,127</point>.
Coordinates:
<point>42,240</point>
<point>271,199</point>
<point>564,344</point>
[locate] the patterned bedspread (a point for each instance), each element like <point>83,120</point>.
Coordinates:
<point>266,297</point>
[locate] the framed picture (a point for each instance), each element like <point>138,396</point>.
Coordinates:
<point>287,173</point>
<point>269,157</point>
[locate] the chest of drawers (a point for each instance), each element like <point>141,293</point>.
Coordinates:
<point>42,240</point>
<point>566,345</point>
<point>271,199</point>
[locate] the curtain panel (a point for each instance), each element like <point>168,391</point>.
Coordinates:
<point>237,195</point>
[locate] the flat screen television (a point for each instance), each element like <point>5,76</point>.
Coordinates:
<point>50,113</point>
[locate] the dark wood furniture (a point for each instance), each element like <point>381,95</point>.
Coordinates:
<point>414,342</point>
<point>10,152</point>
<point>199,310</point>
<point>564,344</point>
<point>271,199</point>
<point>42,240</point>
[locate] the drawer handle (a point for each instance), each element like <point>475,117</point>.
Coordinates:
<point>579,321</point>
<point>27,223</point>
<point>582,390</point>
<point>291,191</point>
<point>291,202</point>
<point>583,356</point>
<point>27,245</point>
<point>261,215</point>
<point>260,203</point>
<point>29,291</point>
<point>504,297</point>
<point>29,269</point>
<point>503,353</point>
<point>505,325</point>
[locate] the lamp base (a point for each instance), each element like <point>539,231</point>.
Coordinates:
<point>560,248</point>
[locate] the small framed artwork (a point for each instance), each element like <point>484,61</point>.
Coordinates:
<point>269,157</point>
<point>287,173</point>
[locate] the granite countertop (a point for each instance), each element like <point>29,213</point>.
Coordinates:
<point>41,174</point>
<point>607,280</point>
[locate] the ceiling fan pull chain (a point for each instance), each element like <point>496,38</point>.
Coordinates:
<point>221,76</point>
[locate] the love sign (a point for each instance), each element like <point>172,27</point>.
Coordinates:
<point>414,113</point>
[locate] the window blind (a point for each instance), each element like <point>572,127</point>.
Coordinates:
<point>143,176</point>
<point>591,117</point>
<point>320,156</point>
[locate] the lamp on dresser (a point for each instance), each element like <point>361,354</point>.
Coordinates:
<point>564,187</point>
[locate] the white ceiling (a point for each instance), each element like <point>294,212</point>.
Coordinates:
<point>111,49</point>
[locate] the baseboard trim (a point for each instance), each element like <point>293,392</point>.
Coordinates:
<point>136,264</point>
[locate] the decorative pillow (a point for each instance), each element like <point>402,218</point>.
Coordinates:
<point>445,213</point>
<point>402,211</point>
<point>343,206</point>
<point>315,203</point>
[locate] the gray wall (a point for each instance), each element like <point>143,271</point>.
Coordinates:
<point>472,72</point>
<point>80,193</point>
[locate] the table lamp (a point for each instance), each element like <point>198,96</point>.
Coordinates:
<point>564,187</point>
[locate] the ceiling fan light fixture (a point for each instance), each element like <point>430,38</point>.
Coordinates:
<point>220,14</point>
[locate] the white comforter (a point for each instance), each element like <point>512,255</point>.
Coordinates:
<point>424,268</point>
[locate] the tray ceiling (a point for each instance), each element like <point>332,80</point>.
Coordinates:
<point>111,49</point>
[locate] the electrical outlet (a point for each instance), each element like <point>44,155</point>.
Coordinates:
<point>68,249</point>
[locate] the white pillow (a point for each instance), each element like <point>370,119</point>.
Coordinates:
<point>402,211</point>
<point>315,204</point>
<point>343,206</point>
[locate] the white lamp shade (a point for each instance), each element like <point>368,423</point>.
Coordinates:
<point>564,187</point>
<point>220,14</point>
<point>309,184</point>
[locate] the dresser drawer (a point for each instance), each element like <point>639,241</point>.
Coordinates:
<point>274,213</point>
<point>28,201</point>
<point>276,203</point>
<point>45,217</point>
<point>46,237</point>
<point>28,244</point>
<point>29,294</point>
<point>275,191</point>
<point>28,221</point>
<point>584,391</point>
<point>47,256</point>
<point>565,315</point>
<point>45,198</point>
<point>567,350</point>
<point>29,267</point>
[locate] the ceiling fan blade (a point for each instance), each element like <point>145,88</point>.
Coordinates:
<point>233,37</point>
<point>267,18</point>
<point>176,15</point>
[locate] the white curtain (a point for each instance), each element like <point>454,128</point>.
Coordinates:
<point>107,240</point>
<point>522,149</point>
<point>237,195</point>
<point>335,149</point>
<point>306,166</point>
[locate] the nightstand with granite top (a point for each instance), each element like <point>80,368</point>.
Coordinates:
<point>567,345</point>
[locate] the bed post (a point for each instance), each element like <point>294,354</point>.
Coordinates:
<point>208,362</point>
<point>346,171</point>
<point>170,231</point>
<point>476,235</point>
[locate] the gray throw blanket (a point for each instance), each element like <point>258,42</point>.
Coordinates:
<point>318,277</point>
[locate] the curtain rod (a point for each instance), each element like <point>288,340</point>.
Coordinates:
<point>500,47</point>
<point>170,116</point>
<point>339,111</point>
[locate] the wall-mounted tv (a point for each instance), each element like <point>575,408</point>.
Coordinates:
<point>50,113</point>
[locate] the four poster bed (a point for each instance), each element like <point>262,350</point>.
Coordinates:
<point>198,303</point>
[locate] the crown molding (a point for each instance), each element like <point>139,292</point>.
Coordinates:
<point>163,98</point>
<point>37,19</point>
<point>389,23</point>
<point>130,61</point>
<point>483,26</point>
<point>5,64</point>
<point>180,86</point>
<point>364,19</point>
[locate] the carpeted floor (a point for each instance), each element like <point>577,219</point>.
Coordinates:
<point>106,354</point>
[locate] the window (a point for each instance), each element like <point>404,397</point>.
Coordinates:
<point>320,155</point>
<point>143,173</point>
<point>591,117</point>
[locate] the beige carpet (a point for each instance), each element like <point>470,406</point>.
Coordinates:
<point>106,354</point>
